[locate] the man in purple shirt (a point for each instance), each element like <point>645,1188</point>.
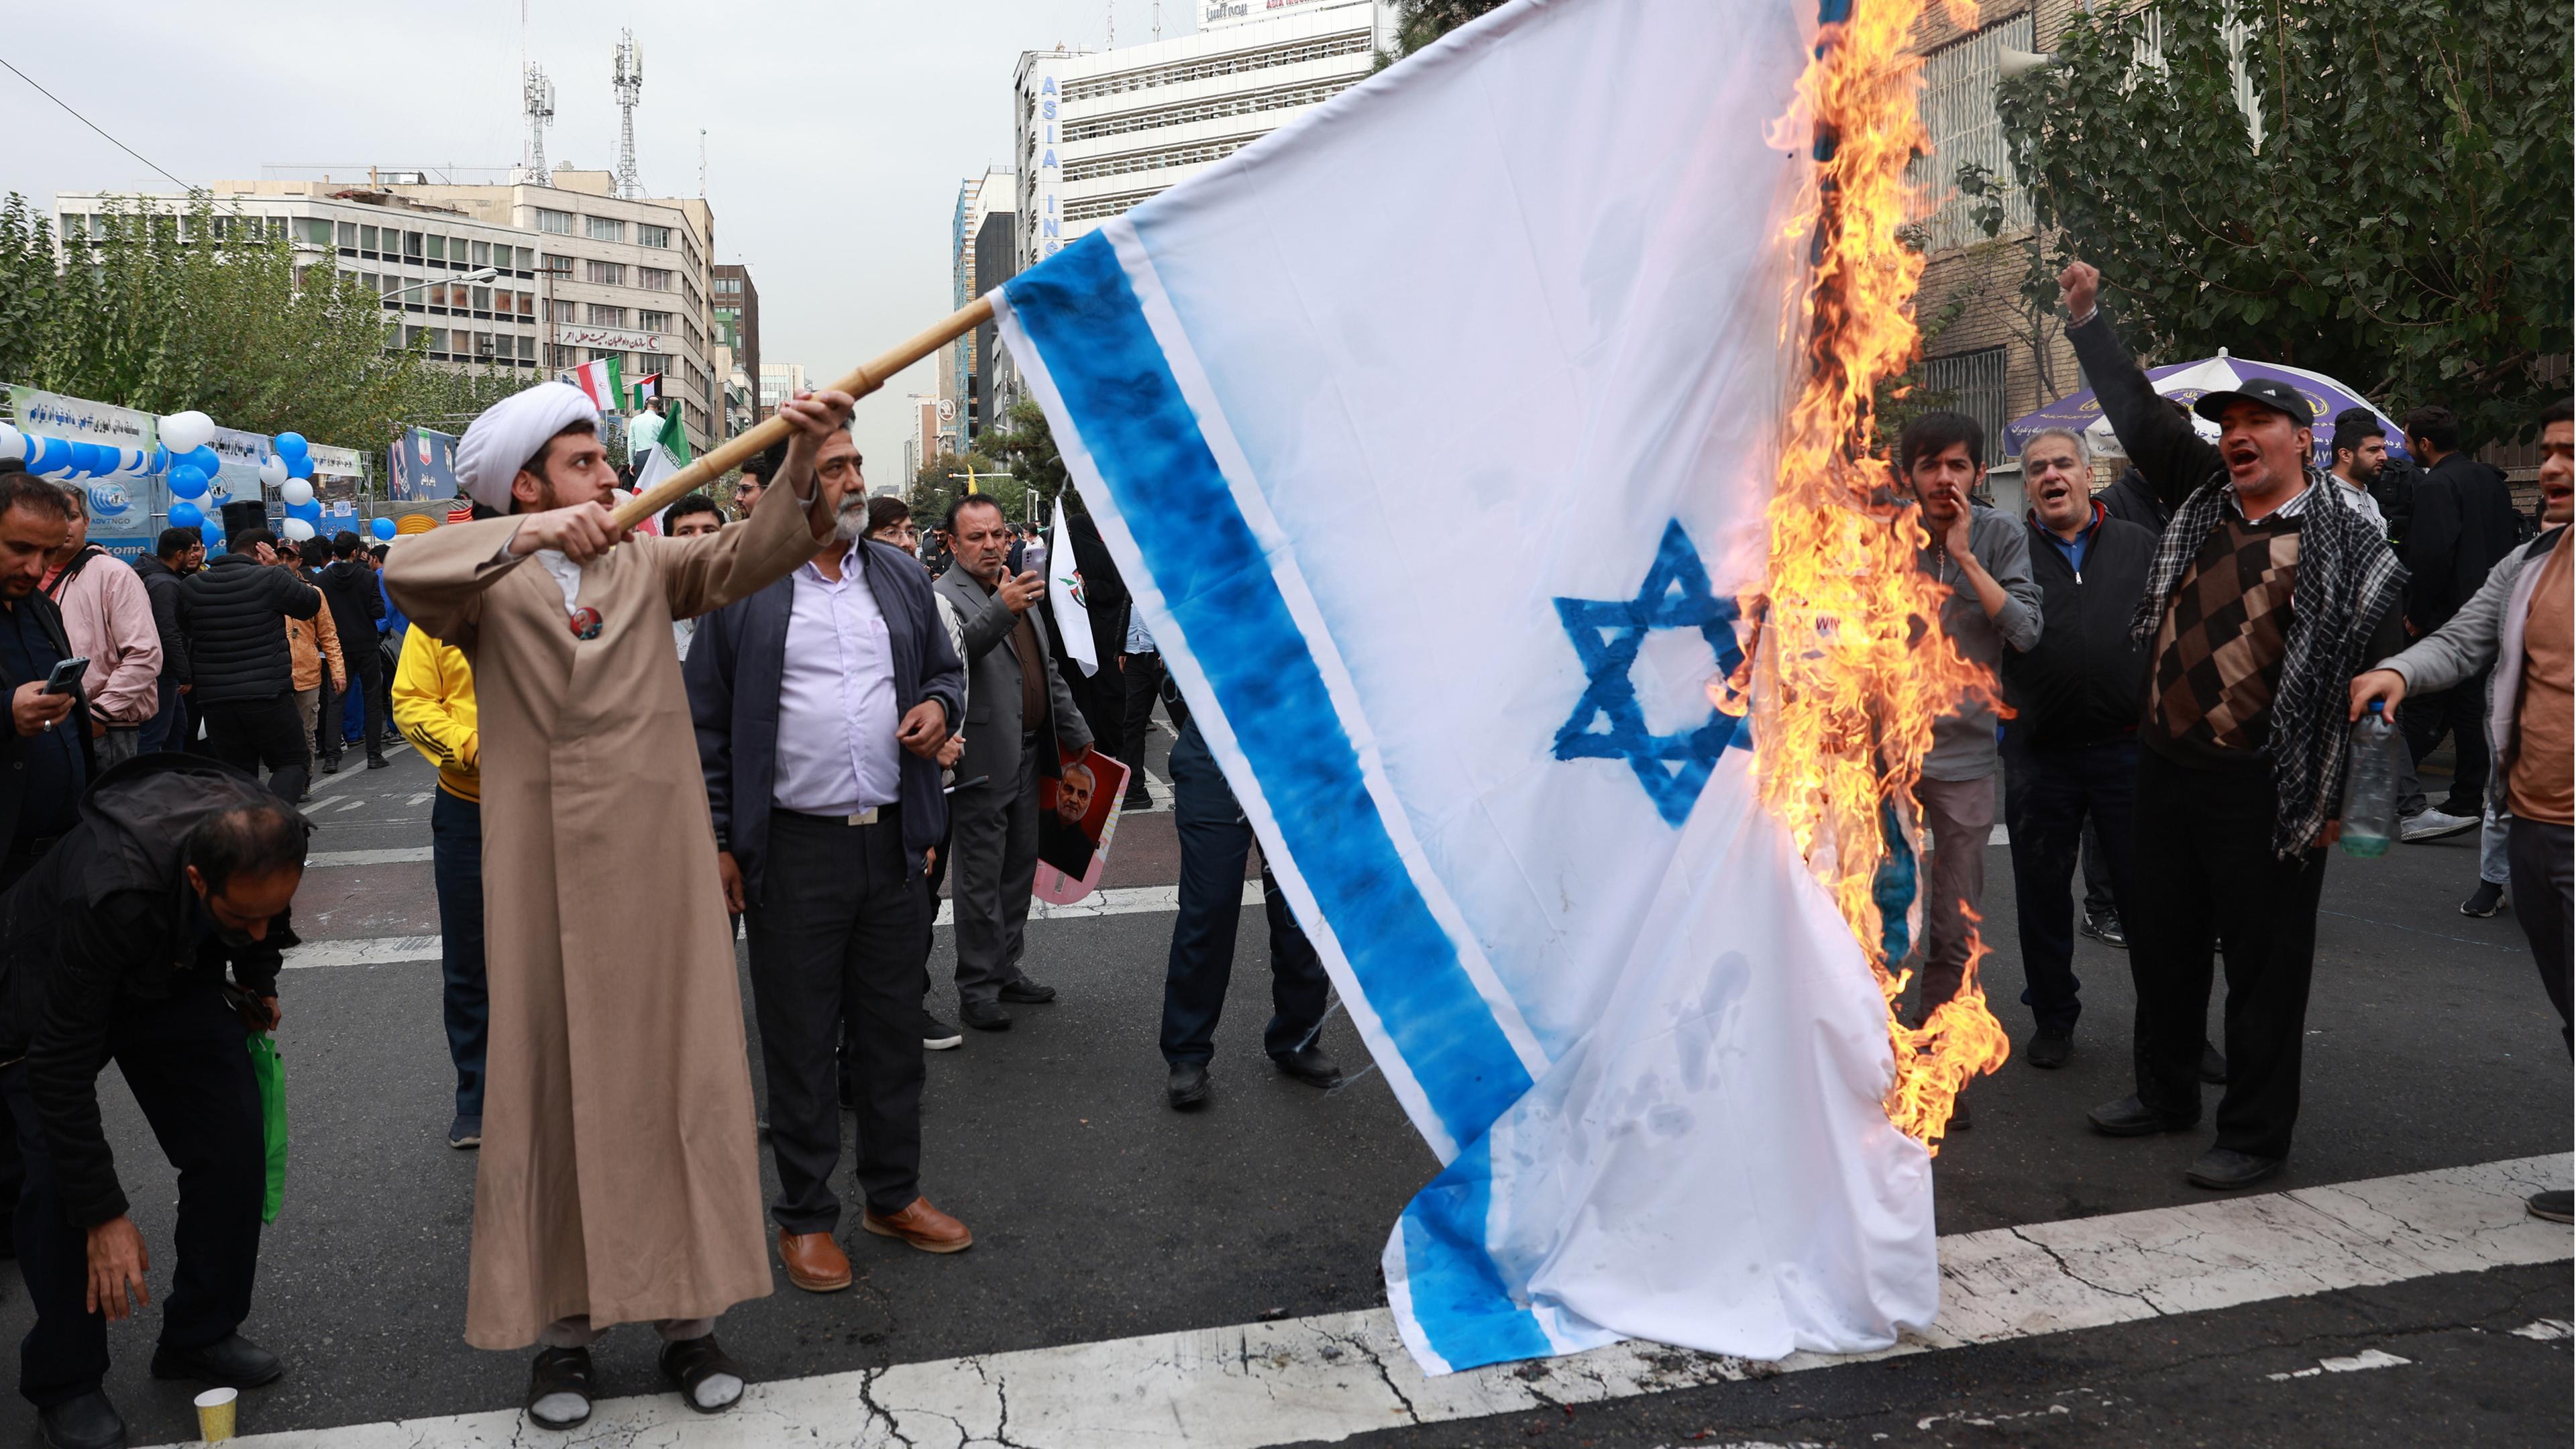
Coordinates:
<point>821,703</point>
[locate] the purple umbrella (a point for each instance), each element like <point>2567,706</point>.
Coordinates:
<point>2186,381</point>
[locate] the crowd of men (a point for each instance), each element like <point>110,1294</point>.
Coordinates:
<point>2183,655</point>
<point>184,653</point>
<point>796,723</point>
<point>866,731</point>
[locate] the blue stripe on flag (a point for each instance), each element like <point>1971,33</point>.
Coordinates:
<point>1459,1300</point>
<point>1127,408</point>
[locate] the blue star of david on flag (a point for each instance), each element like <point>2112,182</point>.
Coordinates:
<point>1608,723</point>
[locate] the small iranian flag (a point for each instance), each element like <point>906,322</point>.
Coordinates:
<point>642,390</point>
<point>601,378</point>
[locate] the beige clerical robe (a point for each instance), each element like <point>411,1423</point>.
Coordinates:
<point>620,1172</point>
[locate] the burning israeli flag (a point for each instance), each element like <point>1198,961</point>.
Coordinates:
<point>1433,436</point>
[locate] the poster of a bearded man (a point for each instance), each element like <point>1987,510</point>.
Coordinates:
<point>620,1178</point>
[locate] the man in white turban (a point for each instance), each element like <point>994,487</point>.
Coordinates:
<point>620,1176</point>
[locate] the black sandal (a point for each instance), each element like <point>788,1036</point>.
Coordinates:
<point>690,1362</point>
<point>559,1371</point>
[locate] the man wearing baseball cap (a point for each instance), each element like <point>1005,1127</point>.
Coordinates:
<point>2267,593</point>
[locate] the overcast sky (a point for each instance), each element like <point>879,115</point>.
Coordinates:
<point>835,134</point>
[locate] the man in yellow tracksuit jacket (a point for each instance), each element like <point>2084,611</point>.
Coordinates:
<point>433,703</point>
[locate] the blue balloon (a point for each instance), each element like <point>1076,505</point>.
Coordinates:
<point>184,514</point>
<point>291,446</point>
<point>187,482</point>
<point>160,461</point>
<point>382,528</point>
<point>49,455</point>
<point>85,458</point>
<point>205,459</point>
<point>299,466</point>
<point>309,512</point>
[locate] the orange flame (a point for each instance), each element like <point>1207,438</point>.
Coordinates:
<point>1856,671</point>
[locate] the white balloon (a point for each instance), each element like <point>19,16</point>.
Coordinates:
<point>133,463</point>
<point>297,491</point>
<point>187,432</point>
<point>298,530</point>
<point>13,444</point>
<point>273,472</point>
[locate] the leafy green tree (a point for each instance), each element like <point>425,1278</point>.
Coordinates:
<point>2399,218</point>
<point>1026,446</point>
<point>1022,446</point>
<point>206,308</point>
<point>1420,22</point>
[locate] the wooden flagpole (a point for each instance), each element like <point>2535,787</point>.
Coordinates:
<point>859,383</point>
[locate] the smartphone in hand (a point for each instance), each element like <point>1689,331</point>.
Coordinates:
<point>67,675</point>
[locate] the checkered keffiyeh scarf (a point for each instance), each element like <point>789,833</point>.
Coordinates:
<point>2347,580</point>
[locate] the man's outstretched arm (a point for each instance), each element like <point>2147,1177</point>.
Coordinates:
<point>2169,453</point>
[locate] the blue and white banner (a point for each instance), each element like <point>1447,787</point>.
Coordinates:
<point>1433,435</point>
<point>420,466</point>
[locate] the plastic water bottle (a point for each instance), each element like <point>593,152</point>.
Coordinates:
<point>2370,790</point>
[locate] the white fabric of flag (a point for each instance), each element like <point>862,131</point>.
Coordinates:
<point>657,465</point>
<point>599,380</point>
<point>1432,436</point>
<point>1064,595</point>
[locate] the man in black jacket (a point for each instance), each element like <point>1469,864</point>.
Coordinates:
<point>349,587</point>
<point>2132,499</point>
<point>235,611</point>
<point>48,766</point>
<point>2267,593</point>
<point>2071,748</point>
<point>179,873</point>
<point>171,560</point>
<point>2394,491</point>
<point>2464,522</point>
<point>1101,696</point>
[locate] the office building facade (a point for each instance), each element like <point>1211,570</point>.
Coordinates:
<point>1096,133</point>
<point>920,442</point>
<point>992,390</point>
<point>780,381</point>
<point>734,317</point>
<point>961,363</point>
<point>576,273</point>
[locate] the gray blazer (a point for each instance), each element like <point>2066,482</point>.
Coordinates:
<point>2486,630</point>
<point>993,728</point>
